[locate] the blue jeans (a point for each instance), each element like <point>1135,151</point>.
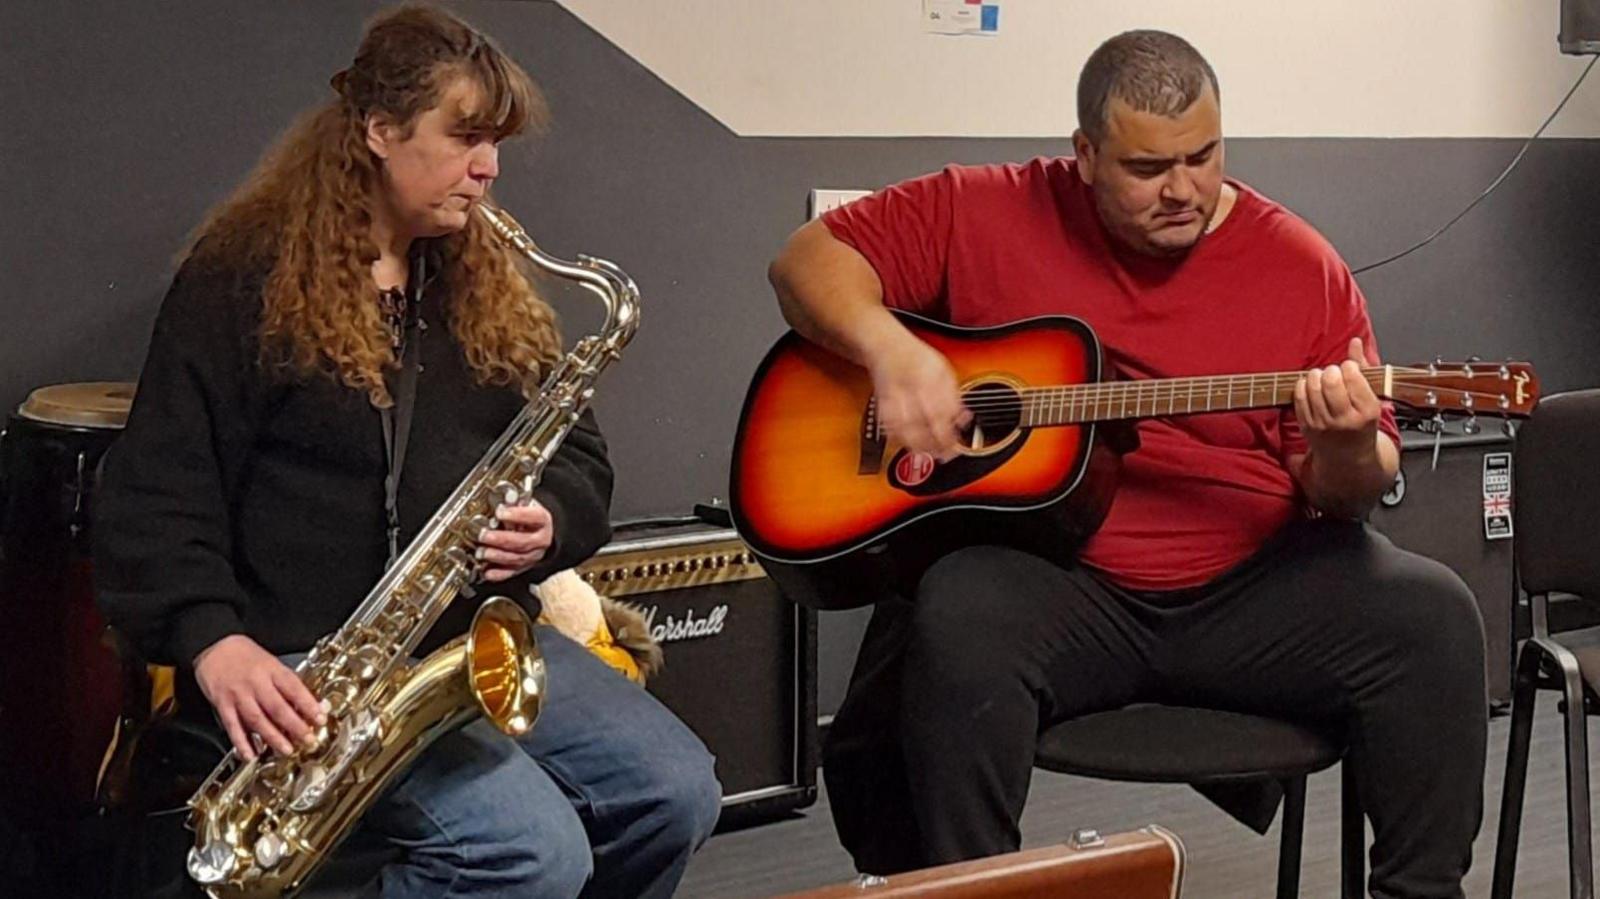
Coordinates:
<point>608,795</point>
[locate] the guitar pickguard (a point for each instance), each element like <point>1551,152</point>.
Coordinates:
<point>992,436</point>
<point>920,475</point>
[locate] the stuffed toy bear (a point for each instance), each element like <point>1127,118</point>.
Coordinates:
<point>615,631</point>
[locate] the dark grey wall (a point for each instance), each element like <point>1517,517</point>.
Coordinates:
<point>124,122</point>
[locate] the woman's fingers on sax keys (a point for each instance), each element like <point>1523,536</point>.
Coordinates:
<point>300,696</point>
<point>235,730</point>
<point>298,713</point>
<point>286,719</point>
<point>257,722</point>
<point>520,541</point>
<point>279,712</point>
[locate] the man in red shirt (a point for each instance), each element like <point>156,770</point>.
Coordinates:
<point>1232,570</point>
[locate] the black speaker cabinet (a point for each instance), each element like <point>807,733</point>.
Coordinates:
<point>1447,513</point>
<point>741,662</point>
<point>1580,26</point>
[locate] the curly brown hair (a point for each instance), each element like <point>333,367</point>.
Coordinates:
<point>305,210</point>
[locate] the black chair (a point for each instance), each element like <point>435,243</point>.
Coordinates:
<point>1214,749</point>
<point>1557,549</point>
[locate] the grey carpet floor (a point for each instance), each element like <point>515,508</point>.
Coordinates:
<point>1226,860</point>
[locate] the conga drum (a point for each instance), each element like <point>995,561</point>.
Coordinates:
<point>60,683</point>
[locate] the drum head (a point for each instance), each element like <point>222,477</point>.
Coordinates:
<point>94,404</point>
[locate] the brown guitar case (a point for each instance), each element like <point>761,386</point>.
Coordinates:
<point>1143,864</point>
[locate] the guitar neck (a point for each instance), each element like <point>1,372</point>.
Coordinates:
<point>1122,400</point>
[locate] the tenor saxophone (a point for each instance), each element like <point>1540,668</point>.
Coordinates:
<point>262,827</point>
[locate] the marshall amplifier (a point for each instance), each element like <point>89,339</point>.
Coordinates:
<point>741,662</point>
<point>1454,505</point>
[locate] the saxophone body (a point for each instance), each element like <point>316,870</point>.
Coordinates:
<point>263,827</point>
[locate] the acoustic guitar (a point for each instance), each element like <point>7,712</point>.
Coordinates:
<point>816,479</point>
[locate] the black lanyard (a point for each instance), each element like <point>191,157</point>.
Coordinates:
<point>397,418</point>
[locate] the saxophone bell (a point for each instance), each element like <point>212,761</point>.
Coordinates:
<point>504,666</point>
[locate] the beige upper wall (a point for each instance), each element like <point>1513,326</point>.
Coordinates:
<point>1337,68</point>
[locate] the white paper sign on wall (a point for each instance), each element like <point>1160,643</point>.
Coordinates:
<point>961,17</point>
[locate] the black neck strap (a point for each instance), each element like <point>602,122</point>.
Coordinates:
<point>397,418</point>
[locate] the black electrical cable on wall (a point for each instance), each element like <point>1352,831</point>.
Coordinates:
<point>1492,185</point>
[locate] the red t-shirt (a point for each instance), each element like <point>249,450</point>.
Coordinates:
<point>983,245</point>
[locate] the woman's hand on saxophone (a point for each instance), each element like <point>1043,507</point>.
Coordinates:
<point>525,533</point>
<point>254,693</point>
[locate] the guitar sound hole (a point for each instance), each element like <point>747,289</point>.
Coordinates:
<point>996,413</point>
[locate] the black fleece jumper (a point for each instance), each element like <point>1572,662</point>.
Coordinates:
<point>241,501</point>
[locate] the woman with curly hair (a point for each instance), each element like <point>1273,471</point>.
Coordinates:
<point>268,474</point>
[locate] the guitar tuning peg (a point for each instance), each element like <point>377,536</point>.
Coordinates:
<point>1471,426</point>
<point>1505,372</point>
<point>1474,358</point>
<point>1433,367</point>
<point>1508,427</point>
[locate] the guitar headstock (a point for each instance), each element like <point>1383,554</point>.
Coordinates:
<point>1476,388</point>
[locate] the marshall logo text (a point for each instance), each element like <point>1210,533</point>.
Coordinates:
<point>688,627</point>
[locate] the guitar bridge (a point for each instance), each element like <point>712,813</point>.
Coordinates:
<point>872,442</point>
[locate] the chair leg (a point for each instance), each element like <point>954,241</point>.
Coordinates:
<point>1294,825</point>
<point>1352,835</point>
<point>1580,856</point>
<point>1524,697</point>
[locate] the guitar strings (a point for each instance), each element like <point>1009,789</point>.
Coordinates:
<point>1006,405</point>
<point>1176,390</point>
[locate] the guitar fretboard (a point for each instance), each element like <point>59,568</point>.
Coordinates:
<point>1077,403</point>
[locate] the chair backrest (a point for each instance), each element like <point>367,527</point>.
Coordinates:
<point>1557,499</point>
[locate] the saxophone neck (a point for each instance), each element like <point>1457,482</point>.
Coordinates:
<point>603,278</point>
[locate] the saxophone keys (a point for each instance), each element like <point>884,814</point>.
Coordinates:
<point>270,850</point>
<point>338,693</point>
<point>462,560</point>
<point>367,663</point>
<point>400,619</point>
<point>310,787</point>
<point>318,739</point>
<point>273,777</point>
<point>212,863</point>
<point>528,463</point>
<point>506,493</point>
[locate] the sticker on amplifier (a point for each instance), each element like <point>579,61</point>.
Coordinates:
<point>1496,496</point>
